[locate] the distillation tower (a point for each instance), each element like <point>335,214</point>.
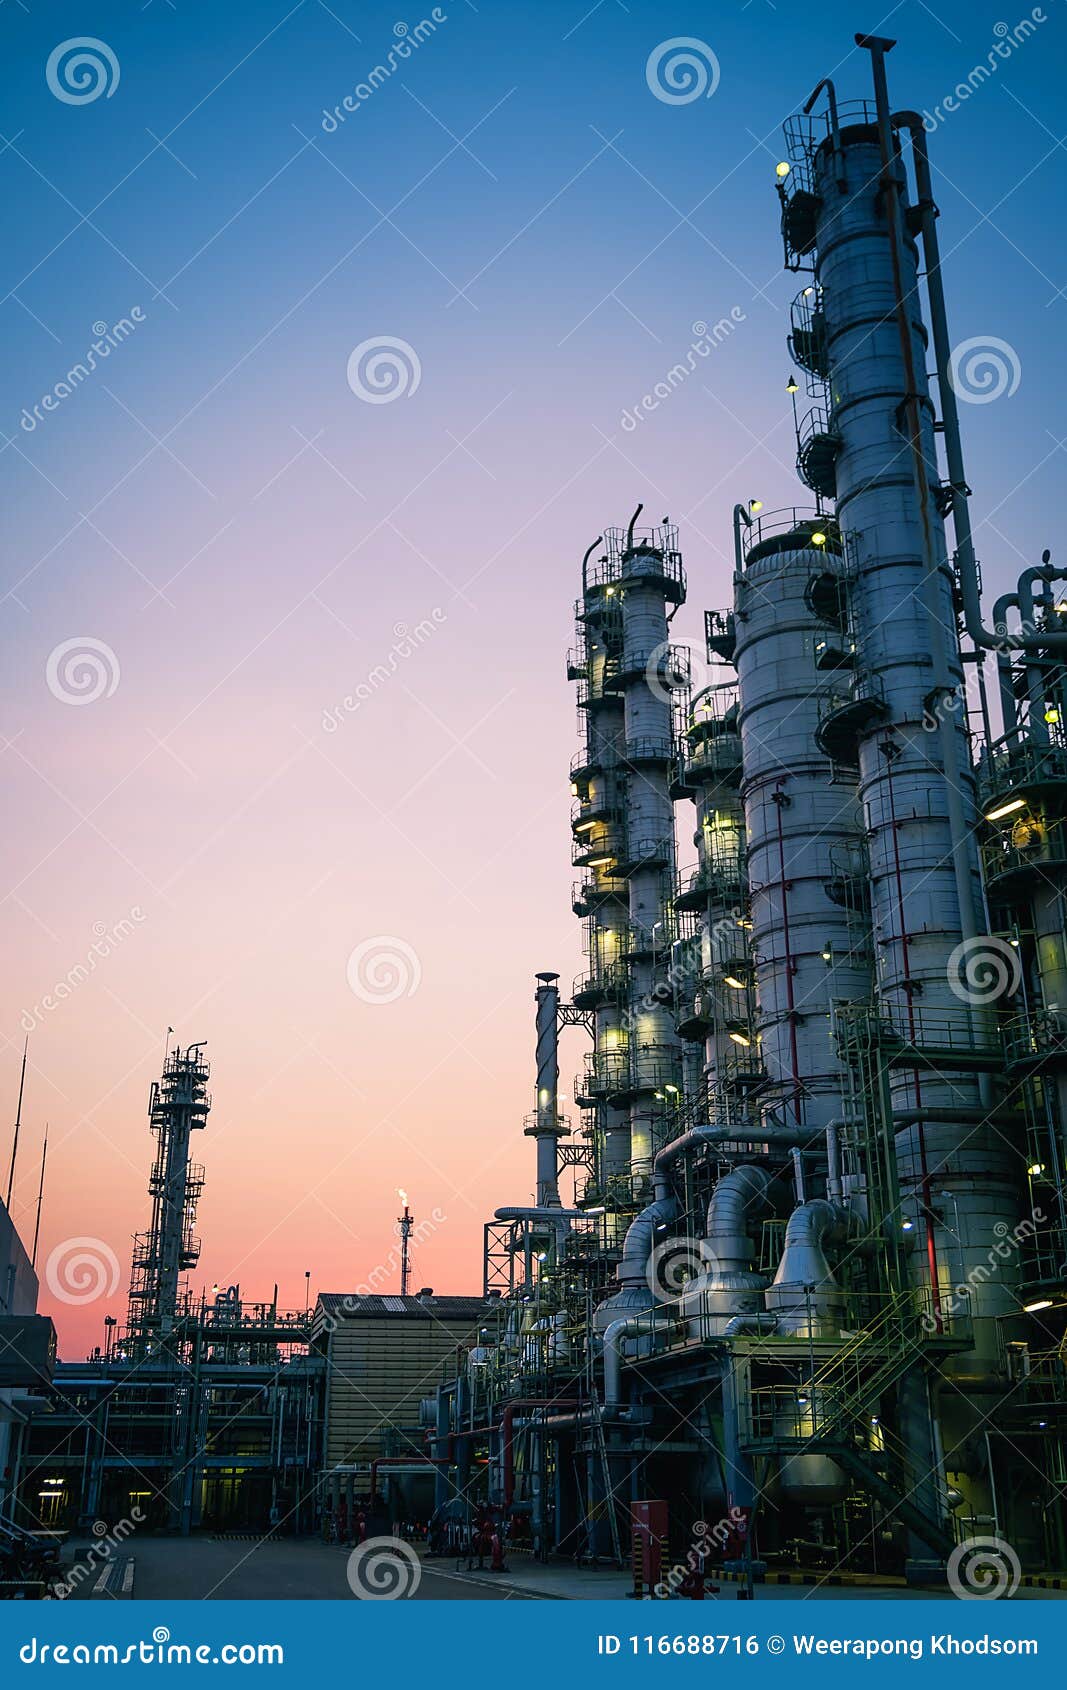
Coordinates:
<point>178,1106</point>
<point>812,1282</point>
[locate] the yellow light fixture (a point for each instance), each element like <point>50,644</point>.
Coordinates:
<point>1005,809</point>
<point>599,862</point>
<point>1052,715</point>
<point>583,827</point>
<point>792,385</point>
<point>818,538</point>
<point>808,292</point>
<point>782,170</point>
<point>755,505</point>
<point>740,1039</point>
<point>672,1091</point>
<point>1035,1308</point>
<point>611,592</point>
<point>1035,1168</point>
<point>732,980</point>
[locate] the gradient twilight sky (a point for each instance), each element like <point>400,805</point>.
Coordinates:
<point>245,535</point>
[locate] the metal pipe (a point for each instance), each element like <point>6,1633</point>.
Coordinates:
<point>588,555</point>
<point>614,1334</point>
<point>507,1445</point>
<point>950,421</point>
<point>546,1128</point>
<point>1009,714</point>
<point>630,530</point>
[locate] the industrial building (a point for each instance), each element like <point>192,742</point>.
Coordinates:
<point>811,1281</point>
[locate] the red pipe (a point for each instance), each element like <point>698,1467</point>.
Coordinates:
<point>506,1432</point>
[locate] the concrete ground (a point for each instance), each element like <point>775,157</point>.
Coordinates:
<point>201,1568</point>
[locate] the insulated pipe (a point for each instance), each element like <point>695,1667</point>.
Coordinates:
<point>1009,714</point>
<point>779,1138</point>
<point>507,1443</point>
<point>743,1324</point>
<point>950,421</point>
<point>737,1196</point>
<point>614,1334</point>
<point>640,1239</point>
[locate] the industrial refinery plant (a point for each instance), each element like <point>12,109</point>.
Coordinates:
<point>811,1282</point>
<point>790,1298</point>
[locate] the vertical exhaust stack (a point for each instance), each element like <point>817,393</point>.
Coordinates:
<point>546,1126</point>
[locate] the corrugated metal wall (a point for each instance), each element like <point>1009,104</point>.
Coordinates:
<point>379,1369</point>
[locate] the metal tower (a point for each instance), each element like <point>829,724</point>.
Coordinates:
<point>178,1105</point>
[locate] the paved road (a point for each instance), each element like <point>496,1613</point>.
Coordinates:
<point>193,1569</point>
